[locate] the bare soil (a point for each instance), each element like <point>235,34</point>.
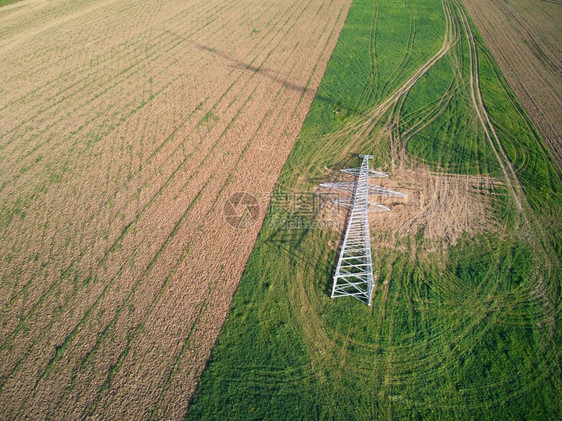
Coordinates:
<point>440,207</point>
<point>124,127</point>
<point>524,38</point>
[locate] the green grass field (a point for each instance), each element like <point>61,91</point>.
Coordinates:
<point>456,331</point>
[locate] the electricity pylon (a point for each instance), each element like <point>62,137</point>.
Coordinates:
<point>354,272</point>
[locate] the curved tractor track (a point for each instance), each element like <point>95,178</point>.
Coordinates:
<point>335,349</point>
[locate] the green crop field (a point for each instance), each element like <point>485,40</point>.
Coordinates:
<point>458,329</point>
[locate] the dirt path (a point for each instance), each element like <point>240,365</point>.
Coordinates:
<point>124,128</point>
<point>524,38</point>
<point>476,95</point>
<point>530,227</point>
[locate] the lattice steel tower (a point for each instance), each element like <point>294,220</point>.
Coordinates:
<point>354,272</point>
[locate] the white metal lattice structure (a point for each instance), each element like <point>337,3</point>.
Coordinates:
<point>354,271</point>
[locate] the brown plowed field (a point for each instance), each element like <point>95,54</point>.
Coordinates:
<point>125,125</point>
<point>525,38</point>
